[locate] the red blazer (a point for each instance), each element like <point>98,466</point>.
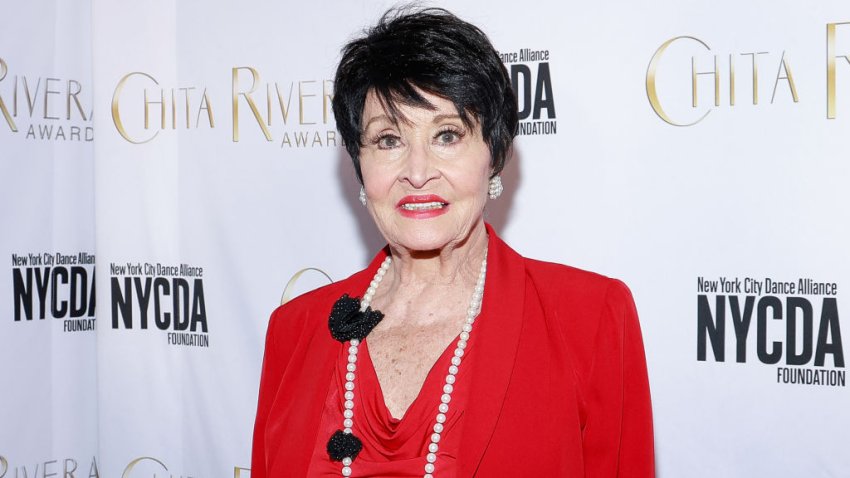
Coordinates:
<point>563,391</point>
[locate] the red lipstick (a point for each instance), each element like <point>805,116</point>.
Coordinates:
<point>422,206</point>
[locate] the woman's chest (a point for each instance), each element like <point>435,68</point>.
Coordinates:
<point>402,361</point>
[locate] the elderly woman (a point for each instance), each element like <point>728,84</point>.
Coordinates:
<point>450,355</point>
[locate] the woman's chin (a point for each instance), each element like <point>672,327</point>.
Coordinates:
<point>422,245</point>
<point>429,236</point>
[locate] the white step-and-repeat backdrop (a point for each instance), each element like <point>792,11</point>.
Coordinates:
<point>167,167</point>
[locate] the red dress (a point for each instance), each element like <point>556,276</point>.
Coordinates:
<point>392,447</point>
<point>555,386</point>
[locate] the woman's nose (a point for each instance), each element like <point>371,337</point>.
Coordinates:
<point>420,167</point>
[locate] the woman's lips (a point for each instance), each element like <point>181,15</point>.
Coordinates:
<point>422,206</point>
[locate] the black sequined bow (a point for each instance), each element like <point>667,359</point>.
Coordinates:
<point>347,322</point>
<point>344,445</point>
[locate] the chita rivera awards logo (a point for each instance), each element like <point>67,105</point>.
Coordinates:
<point>44,108</point>
<point>61,468</point>
<point>147,466</point>
<point>306,279</point>
<point>687,78</point>
<point>790,324</point>
<point>293,113</point>
<point>54,285</point>
<point>531,79</point>
<point>158,296</point>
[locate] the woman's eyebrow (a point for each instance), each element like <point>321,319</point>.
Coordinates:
<point>374,119</point>
<point>441,117</point>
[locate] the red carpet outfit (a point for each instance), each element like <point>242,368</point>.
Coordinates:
<point>553,384</point>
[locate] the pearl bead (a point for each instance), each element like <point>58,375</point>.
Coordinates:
<point>346,431</point>
<point>354,342</point>
<point>467,328</point>
<point>441,418</point>
<point>349,376</point>
<point>352,350</point>
<point>352,358</point>
<point>453,369</point>
<point>433,447</point>
<point>348,413</point>
<point>450,378</point>
<point>346,471</point>
<point>465,335</point>
<point>349,404</point>
<point>348,423</point>
<point>349,395</point>
<point>446,398</point>
<point>428,475</point>
<point>351,367</point>
<point>458,352</point>
<point>461,344</point>
<point>346,461</point>
<point>448,388</point>
<point>429,468</point>
<point>455,360</point>
<point>438,428</point>
<point>431,457</point>
<point>349,385</point>
<point>444,408</point>
<point>435,438</point>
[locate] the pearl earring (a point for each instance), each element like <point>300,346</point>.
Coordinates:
<point>363,195</point>
<point>495,189</point>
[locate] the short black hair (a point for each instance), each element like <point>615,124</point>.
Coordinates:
<point>431,50</point>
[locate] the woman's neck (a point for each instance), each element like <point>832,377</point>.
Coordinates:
<point>454,264</point>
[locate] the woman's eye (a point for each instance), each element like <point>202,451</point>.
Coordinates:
<point>388,142</point>
<point>448,137</point>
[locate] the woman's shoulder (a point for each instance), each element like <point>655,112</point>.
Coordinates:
<point>579,302</point>
<point>574,284</point>
<point>310,310</point>
<point>591,313</point>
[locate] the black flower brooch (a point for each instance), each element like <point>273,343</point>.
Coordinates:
<point>348,322</point>
<point>344,445</point>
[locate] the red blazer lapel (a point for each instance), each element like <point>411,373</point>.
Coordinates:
<point>497,333</point>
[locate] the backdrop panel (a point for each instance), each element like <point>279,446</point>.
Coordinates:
<point>48,403</point>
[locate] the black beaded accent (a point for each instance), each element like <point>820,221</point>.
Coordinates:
<point>347,322</point>
<point>342,445</point>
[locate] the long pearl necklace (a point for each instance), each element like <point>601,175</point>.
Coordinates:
<point>448,386</point>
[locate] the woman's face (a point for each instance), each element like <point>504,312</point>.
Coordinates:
<point>426,178</point>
